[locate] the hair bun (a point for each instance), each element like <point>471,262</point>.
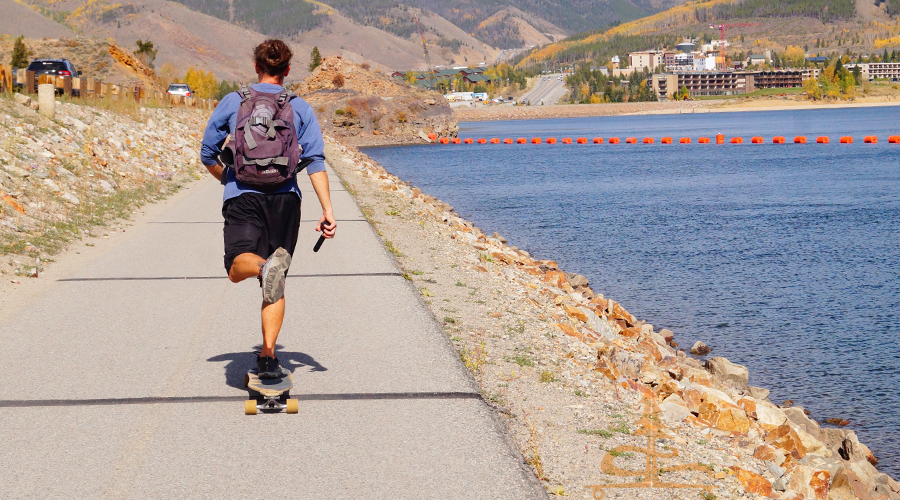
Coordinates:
<point>272,57</point>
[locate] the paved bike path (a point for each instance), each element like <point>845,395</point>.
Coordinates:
<point>146,343</point>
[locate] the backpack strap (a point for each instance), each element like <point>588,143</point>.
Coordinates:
<point>265,162</point>
<point>245,93</point>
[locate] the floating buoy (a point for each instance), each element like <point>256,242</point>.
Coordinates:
<point>482,141</point>
<point>456,140</point>
<point>468,140</point>
<point>800,139</point>
<point>536,140</point>
<point>756,140</point>
<point>822,140</point>
<point>581,140</point>
<point>871,139</point>
<point>507,141</point>
<point>648,140</point>
<point>666,140</point>
<point>894,139</point>
<point>432,137</point>
<point>521,140</point>
<point>720,139</point>
<point>737,140</point>
<point>445,140</point>
<point>495,140</point>
<point>566,140</point>
<point>684,140</point>
<point>630,140</point>
<point>846,140</point>
<point>703,140</point>
<point>551,140</point>
<point>612,140</point>
<point>598,140</point>
<point>778,140</point>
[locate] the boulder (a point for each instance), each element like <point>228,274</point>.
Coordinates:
<point>577,280</point>
<point>784,437</point>
<point>628,364</point>
<point>667,335</point>
<point>752,482</point>
<point>726,370</point>
<point>758,392</point>
<point>726,419</point>
<point>700,349</point>
<point>23,99</point>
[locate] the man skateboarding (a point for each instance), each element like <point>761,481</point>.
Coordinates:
<point>275,135</point>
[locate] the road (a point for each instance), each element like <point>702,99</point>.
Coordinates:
<point>124,364</point>
<point>548,89</point>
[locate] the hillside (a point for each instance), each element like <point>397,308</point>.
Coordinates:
<point>817,26</point>
<point>18,20</point>
<point>364,108</point>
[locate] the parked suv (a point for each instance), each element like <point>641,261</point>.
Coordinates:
<point>55,67</point>
<point>179,89</point>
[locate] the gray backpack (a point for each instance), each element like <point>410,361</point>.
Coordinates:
<point>264,155</point>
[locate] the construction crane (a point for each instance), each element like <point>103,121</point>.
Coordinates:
<point>722,28</point>
<point>425,48</point>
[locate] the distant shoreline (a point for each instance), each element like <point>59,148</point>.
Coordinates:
<point>647,108</point>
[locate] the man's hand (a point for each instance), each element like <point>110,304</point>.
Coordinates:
<point>327,226</point>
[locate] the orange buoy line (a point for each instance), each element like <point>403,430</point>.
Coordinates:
<point>719,138</point>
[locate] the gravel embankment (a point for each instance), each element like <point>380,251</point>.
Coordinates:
<point>87,166</point>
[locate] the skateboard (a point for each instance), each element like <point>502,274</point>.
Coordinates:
<point>273,394</point>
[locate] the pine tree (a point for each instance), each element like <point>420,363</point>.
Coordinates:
<point>20,53</point>
<point>315,59</point>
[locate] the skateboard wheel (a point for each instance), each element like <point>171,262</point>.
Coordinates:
<point>250,407</point>
<point>293,406</point>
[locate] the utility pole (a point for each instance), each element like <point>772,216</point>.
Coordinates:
<point>428,67</point>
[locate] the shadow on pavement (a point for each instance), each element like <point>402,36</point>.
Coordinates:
<point>240,362</point>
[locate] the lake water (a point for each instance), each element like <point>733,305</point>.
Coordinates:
<point>784,258</point>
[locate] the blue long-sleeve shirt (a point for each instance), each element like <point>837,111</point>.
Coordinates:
<point>222,123</point>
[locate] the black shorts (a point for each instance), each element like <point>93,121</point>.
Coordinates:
<point>259,224</point>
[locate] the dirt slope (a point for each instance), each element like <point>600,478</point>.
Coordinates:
<point>20,20</point>
<point>364,108</point>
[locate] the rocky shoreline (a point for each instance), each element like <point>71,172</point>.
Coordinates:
<point>600,403</point>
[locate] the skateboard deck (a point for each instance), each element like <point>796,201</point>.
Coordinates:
<point>271,391</point>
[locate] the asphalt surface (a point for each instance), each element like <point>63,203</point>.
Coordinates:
<point>547,89</point>
<point>123,375</point>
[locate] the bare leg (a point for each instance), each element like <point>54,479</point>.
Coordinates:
<point>245,265</point>
<point>272,318</point>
